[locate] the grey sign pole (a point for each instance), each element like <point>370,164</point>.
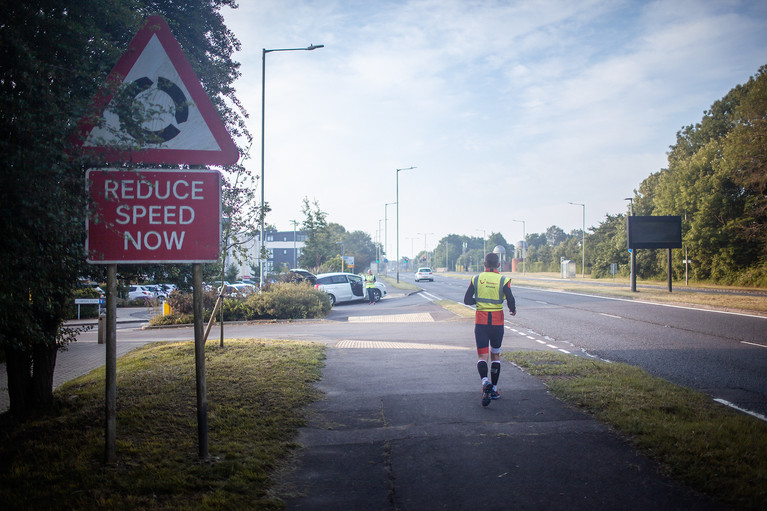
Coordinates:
<point>111,366</point>
<point>199,358</point>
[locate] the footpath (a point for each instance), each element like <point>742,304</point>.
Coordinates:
<point>401,428</point>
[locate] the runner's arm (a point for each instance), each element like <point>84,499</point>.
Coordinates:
<point>468,298</point>
<point>510,299</point>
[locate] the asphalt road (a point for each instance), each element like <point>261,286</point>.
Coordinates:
<point>722,354</point>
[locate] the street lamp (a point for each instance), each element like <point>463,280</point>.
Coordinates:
<point>397,202</point>
<point>424,244</point>
<point>632,277</point>
<point>484,247</point>
<point>295,252</point>
<point>386,233</point>
<point>263,105</point>
<point>583,239</point>
<point>524,244</point>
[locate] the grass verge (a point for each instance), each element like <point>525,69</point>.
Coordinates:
<point>456,308</point>
<point>708,446</point>
<point>257,391</point>
<point>405,286</point>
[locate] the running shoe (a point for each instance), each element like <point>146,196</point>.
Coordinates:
<point>495,394</point>
<point>487,389</point>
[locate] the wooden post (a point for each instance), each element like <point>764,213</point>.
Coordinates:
<point>110,455</point>
<point>199,357</point>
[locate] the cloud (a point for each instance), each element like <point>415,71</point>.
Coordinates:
<point>540,102</point>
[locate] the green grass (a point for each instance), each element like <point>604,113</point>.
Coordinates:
<point>706,445</point>
<point>403,284</point>
<point>257,391</point>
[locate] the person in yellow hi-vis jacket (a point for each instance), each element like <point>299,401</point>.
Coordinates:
<point>370,284</point>
<point>487,291</point>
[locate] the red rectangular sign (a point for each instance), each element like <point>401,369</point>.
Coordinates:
<point>153,216</point>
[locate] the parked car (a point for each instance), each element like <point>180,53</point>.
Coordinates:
<point>424,274</point>
<point>157,290</point>
<point>347,287</point>
<point>135,292</point>
<point>242,289</point>
<point>301,275</point>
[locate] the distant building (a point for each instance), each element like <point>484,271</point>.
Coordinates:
<point>283,248</point>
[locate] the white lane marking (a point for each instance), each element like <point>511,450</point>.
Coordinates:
<point>753,344</point>
<point>610,315</point>
<point>564,351</point>
<point>543,303</point>
<point>434,297</point>
<point>732,405</point>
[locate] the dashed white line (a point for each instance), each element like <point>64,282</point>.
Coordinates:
<point>753,344</point>
<point>610,315</point>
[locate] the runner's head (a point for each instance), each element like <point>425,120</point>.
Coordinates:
<point>491,261</point>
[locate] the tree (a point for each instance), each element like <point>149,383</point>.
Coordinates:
<point>56,55</point>
<point>555,235</point>
<point>320,245</point>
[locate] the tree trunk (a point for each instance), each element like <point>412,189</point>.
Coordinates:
<point>43,365</point>
<point>18,365</point>
<point>30,378</point>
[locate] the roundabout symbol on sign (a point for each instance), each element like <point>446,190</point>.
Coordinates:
<point>140,87</point>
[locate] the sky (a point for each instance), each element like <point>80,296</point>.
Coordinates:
<point>509,110</point>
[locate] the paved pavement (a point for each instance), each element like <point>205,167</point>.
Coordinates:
<point>83,356</point>
<point>401,428</point>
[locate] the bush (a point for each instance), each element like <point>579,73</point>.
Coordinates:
<point>181,303</point>
<point>277,301</point>
<point>290,301</point>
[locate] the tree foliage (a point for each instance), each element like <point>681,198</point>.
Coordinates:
<point>55,57</point>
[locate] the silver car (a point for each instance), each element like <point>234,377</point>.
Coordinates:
<point>347,287</point>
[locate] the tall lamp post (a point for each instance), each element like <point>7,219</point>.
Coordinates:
<point>295,251</point>
<point>583,239</point>
<point>397,202</point>
<point>632,277</point>
<point>263,117</point>
<point>484,237</point>
<point>424,234</point>
<point>386,233</point>
<point>524,244</point>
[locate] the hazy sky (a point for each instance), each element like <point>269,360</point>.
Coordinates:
<point>508,109</point>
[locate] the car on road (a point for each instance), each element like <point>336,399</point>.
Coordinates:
<point>347,287</point>
<point>424,274</point>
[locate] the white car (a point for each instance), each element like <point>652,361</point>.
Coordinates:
<point>135,292</point>
<point>424,274</point>
<point>347,287</point>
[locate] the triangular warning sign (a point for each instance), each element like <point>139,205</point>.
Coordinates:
<point>182,123</point>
